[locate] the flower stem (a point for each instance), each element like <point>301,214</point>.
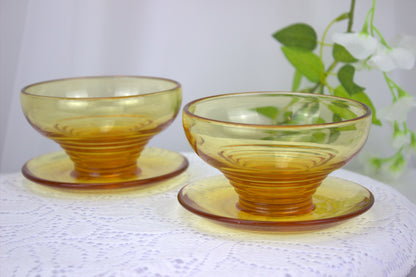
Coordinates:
<point>395,88</point>
<point>390,85</point>
<point>369,20</point>
<point>322,83</point>
<point>351,16</point>
<point>373,9</point>
<point>383,41</point>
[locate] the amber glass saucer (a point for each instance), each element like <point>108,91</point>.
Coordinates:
<point>335,200</point>
<point>55,169</point>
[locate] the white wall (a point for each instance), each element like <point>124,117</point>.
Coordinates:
<point>210,47</point>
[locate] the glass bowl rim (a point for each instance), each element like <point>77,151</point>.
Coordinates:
<point>24,91</point>
<point>367,110</point>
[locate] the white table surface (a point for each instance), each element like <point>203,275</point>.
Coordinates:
<point>144,231</point>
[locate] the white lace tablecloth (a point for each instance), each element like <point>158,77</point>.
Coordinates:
<point>145,232</point>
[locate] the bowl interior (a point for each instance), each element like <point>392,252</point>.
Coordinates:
<point>278,109</point>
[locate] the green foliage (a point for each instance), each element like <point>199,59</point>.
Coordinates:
<point>334,135</point>
<point>308,112</point>
<point>344,113</point>
<point>360,97</point>
<point>306,62</point>
<point>299,43</point>
<point>341,54</point>
<point>319,136</point>
<point>298,35</point>
<point>297,79</point>
<point>346,78</point>
<point>343,16</point>
<point>268,111</point>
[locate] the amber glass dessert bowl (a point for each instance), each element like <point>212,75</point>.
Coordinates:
<point>275,149</point>
<point>103,125</point>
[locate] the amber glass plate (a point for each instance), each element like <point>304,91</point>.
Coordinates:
<point>56,169</point>
<point>335,200</point>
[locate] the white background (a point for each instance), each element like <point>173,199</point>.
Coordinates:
<point>210,47</point>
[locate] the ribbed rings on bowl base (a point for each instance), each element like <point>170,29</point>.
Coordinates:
<point>276,180</point>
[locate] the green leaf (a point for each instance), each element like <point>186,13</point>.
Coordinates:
<point>398,163</point>
<point>363,98</point>
<point>336,118</point>
<point>297,35</point>
<point>306,62</point>
<point>346,78</point>
<point>319,136</point>
<point>376,162</point>
<point>342,112</point>
<point>401,92</point>
<point>343,16</point>
<point>360,97</point>
<point>268,111</point>
<point>412,140</point>
<point>305,114</point>
<point>296,80</point>
<point>341,92</point>
<point>287,116</point>
<point>342,55</point>
<point>318,120</point>
<point>340,104</point>
<point>309,108</point>
<point>268,138</point>
<point>333,135</point>
<point>347,128</point>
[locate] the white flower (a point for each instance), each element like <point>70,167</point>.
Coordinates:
<point>386,59</point>
<point>402,55</point>
<point>398,110</point>
<point>360,45</point>
<point>385,170</point>
<point>361,65</point>
<point>405,41</point>
<point>401,139</point>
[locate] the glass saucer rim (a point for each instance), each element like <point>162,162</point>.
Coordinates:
<point>99,185</point>
<point>313,223</point>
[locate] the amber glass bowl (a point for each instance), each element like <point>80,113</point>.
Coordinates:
<point>275,148</point>
<point>103,123</point>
